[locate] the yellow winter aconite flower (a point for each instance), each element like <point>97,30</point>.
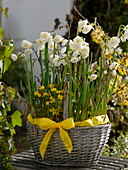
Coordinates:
<point>52,109</point>
<point>36,93</point>
<point>47,103</point>
<point>45,94</point>
<point>42,88</point>
<point>53,89</point>
<point>51,98</point>
<point>39,94</point>
<point>53,101</point>
<point>58,91</point>
<point>60,97</point>
<point>51,85</point>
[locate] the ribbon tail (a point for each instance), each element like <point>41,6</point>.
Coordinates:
<point>66,140</point>
<point>45,142</point>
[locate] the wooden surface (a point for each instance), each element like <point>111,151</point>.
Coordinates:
<point>26,161</point>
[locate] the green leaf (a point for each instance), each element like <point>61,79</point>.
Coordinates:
<point>1,9</point>
<point>6,12</point>
<point>7,63</point>
<point>16,118</point>
<point>12,91</point>
<point>8,51</point>
<point>1,32</point>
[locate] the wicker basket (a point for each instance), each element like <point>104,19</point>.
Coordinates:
<point>88,143</point>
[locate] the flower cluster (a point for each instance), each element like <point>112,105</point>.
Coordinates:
<point>48,102</point>
<point>88,84</point>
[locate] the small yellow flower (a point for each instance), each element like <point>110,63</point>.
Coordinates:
<point>39,94</point>
<point>45,94</point>
<point>42,88</point>
<point>51,98</point>
<point>36,93</point>
<point>52,109</point>
<point>53,101</point>
<point>53,89</point>
<point>47,103</point>
<point>58,91</point>
<point>51,85</point>
<point>60,97</point>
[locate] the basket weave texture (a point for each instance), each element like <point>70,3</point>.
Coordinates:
<point>88,143</point>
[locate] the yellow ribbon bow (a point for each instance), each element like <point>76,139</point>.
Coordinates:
<point>95,121</point>
<point>45,123</point>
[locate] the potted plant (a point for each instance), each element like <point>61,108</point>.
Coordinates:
<point>68,100</point>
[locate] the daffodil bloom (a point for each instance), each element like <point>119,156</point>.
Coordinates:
<point>58,39</point>
<point>14,57</point>
<point>45,94</point>
<point>92,77</point>
<point>26,44</point>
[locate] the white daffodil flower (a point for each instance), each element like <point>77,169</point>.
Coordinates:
<point>114,42</point>
<point>28,51</point>
<point>87,29</point>
<point>40,41</point>
<point>56,61</point>
<point>51,45</point>
<point>63,50</point>
<point>113,65</point>
<point>85,55</point>
<point>58,39</point>
<point>82,24</point>
<point>74,60</point>
<point>76,54</point>
<point>105,72</point>
<point>14,57</point>
<point>78,40</point>
<point>63,62</point>
<point>45,35</point>
<point>114,73</point>
<point>26,44</point>
<point>85,49</point>
<point>51,58</point>
<point>92,77</point>
<point>64,42</point>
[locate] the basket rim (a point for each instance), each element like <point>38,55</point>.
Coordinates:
<point>83,127</point>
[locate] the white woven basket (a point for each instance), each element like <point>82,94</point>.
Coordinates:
<point>88,143</point>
